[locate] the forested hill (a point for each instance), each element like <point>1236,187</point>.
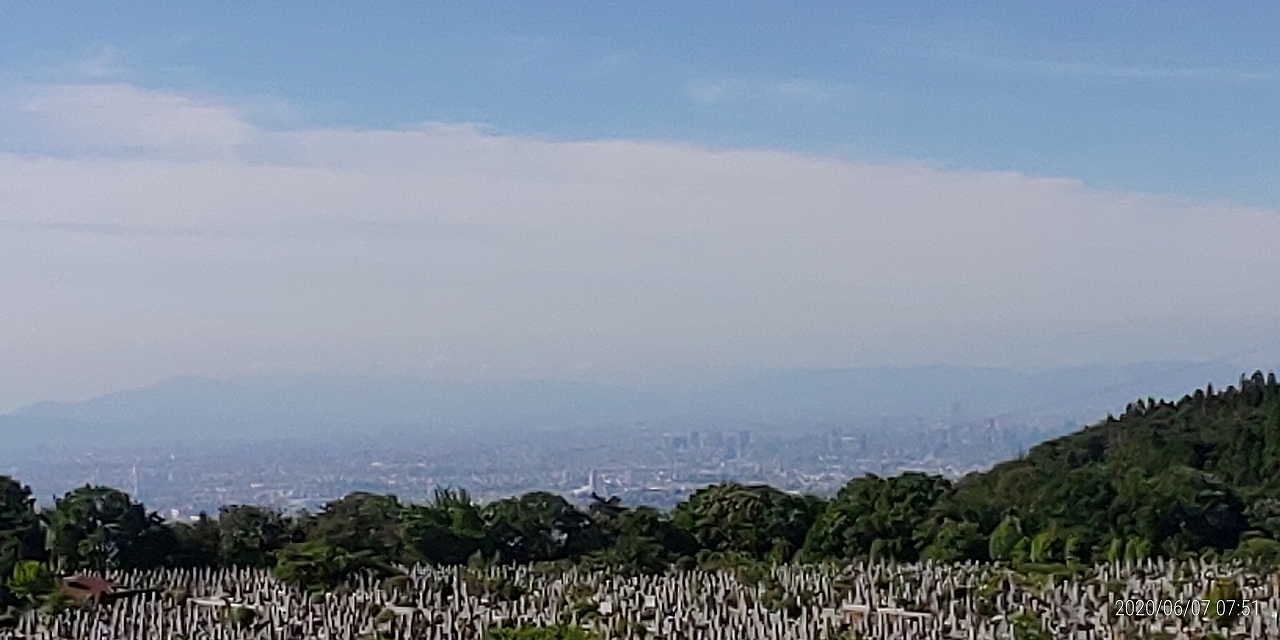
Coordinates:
<point>1163,478</point>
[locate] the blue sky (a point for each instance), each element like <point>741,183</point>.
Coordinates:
<point>614,193</point>
<point>1156,96</point>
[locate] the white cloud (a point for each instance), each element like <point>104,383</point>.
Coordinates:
<point>121,117</point>
<point>169,235</point>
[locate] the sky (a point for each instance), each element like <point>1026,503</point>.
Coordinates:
<point>573,190</point>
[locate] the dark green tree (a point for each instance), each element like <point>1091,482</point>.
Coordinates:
<point>757,520</point>
<point>99,528</point>
<point>540,526</point>
<point>643,540</point>
<point>361,522</point>
<point>874,516</point>
<point>316,566</point>
<point>250,536</point>
<point>447,531</point>
<point>197,542</point>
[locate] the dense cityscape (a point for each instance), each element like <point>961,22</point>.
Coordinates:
<point>641,464</point>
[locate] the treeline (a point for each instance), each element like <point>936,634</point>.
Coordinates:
<point>1196,476</point>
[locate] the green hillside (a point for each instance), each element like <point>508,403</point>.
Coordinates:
<point>1164,478</point>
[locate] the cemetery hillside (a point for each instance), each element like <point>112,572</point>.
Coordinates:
<point>1171,501</point>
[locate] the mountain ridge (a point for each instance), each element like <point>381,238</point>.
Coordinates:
<point>313,404</point>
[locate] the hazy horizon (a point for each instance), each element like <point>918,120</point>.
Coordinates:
<point>271,406</point>
<point>1220,372</point>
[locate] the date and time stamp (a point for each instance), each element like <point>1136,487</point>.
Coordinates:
<point>1218,608</point>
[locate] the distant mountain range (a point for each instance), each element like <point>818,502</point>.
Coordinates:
<point>256,406</point>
